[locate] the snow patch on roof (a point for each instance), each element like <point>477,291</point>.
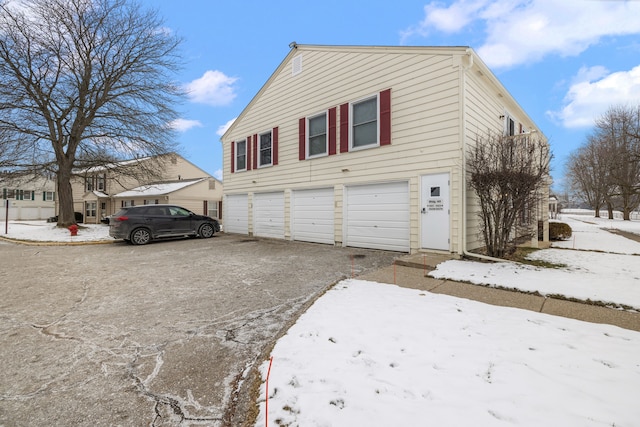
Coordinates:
<point>158,189</point>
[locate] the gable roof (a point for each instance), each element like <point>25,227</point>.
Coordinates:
<point>473,61</point>
<point>159,188</point>
<point>296,48</point>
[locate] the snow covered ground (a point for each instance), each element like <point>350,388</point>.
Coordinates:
<point>42,231</point>
<point>378,355</point>
<point>603,267</point>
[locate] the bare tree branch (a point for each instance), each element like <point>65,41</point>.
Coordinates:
<point>84,82</point>
<point>506,173</point>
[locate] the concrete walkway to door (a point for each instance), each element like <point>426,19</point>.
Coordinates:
<point>412,271</point>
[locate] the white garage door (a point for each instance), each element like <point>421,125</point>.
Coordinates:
<point>236,214</point>
<point>268,215</point>
<point>313,215</point>
<point>377,216</point>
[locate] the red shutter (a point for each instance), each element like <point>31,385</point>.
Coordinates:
<point>204,208</point>
<point>248,151</point>
<point>332,131</point>
<point>385,117</point>
<point>233,157</point>
<point>302,138</point>
<point>220,209</point>
<point>256,153</point>
<point>274,146</point>
<point>344,128</point>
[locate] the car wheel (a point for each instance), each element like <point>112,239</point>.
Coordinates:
<point>140,236</point>
<point>206,231</point>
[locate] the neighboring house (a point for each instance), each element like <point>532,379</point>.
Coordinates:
<point>186,193</point>
<point>101,191</point>
<point>30,198</point>
<point>365,146</point>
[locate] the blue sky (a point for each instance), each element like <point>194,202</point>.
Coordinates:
<point>565,61</point>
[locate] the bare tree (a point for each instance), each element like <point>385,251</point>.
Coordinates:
<point>588,169</point>
<point>506,173</point>
<point>616,131</point>
<point>84,82</point>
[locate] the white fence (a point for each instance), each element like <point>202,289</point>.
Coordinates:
<point>23,213</point>
<point>603,213</point>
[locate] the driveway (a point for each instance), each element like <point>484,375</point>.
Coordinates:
<point>167,334</point>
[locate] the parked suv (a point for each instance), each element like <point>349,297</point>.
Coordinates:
<point>141,224</point>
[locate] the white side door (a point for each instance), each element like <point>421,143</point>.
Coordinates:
<point>435,211</point>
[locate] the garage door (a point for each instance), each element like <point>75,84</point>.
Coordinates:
<point>236,214</point>
<point>377,216</point>
<point>313,215</point>
<point>268,215</point>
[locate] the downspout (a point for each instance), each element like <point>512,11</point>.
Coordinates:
<point>466,66</point>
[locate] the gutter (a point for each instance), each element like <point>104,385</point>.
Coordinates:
<point>465,66</point>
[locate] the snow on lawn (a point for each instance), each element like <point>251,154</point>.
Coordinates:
<point>611,276</point>
<point>370,354</point>
<point>42,231</point>
<point>589,233</point>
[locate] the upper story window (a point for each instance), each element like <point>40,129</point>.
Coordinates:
<point>88,183</point>
<point>100,182</point>
<point>24,195</point>
<point>265,149</point>
<point>48,196</point>
<point>364,123</point>
<point>241,155</point>
<point>317,139</point>
<point>509,126</point>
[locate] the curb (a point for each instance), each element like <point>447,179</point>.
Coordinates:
<point>55,243</point>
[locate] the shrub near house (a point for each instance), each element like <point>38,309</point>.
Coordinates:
<point>559,231</point>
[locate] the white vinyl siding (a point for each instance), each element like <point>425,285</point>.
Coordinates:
<point>268,215</point>
<point>236,214</point>
<point>377,216</point>
<point>312,218</point>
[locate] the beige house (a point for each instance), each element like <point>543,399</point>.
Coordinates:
<point>101,191</point>
<point>28,198</point>
<point>365,146</point>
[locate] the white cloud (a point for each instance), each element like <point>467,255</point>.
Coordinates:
<point>183,125</point>
<point>213,88</point>
<point>222,129</point>
<point>218,175</point>
<point>524,31</point>
<point>593,91</point>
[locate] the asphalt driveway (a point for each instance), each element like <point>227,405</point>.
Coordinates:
<point>159,335</point>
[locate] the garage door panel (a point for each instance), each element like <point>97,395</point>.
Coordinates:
<point>377,216</point>
<point>268,215</point>
<point>236,218</point>
<point>313,215</point>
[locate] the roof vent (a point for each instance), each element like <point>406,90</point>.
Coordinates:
<point>296,65</point>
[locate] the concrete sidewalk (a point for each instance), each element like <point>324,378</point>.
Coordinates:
<point>410,272</point>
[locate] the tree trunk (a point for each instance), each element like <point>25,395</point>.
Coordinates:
<point>66,216</point>
<point>610,210</point>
